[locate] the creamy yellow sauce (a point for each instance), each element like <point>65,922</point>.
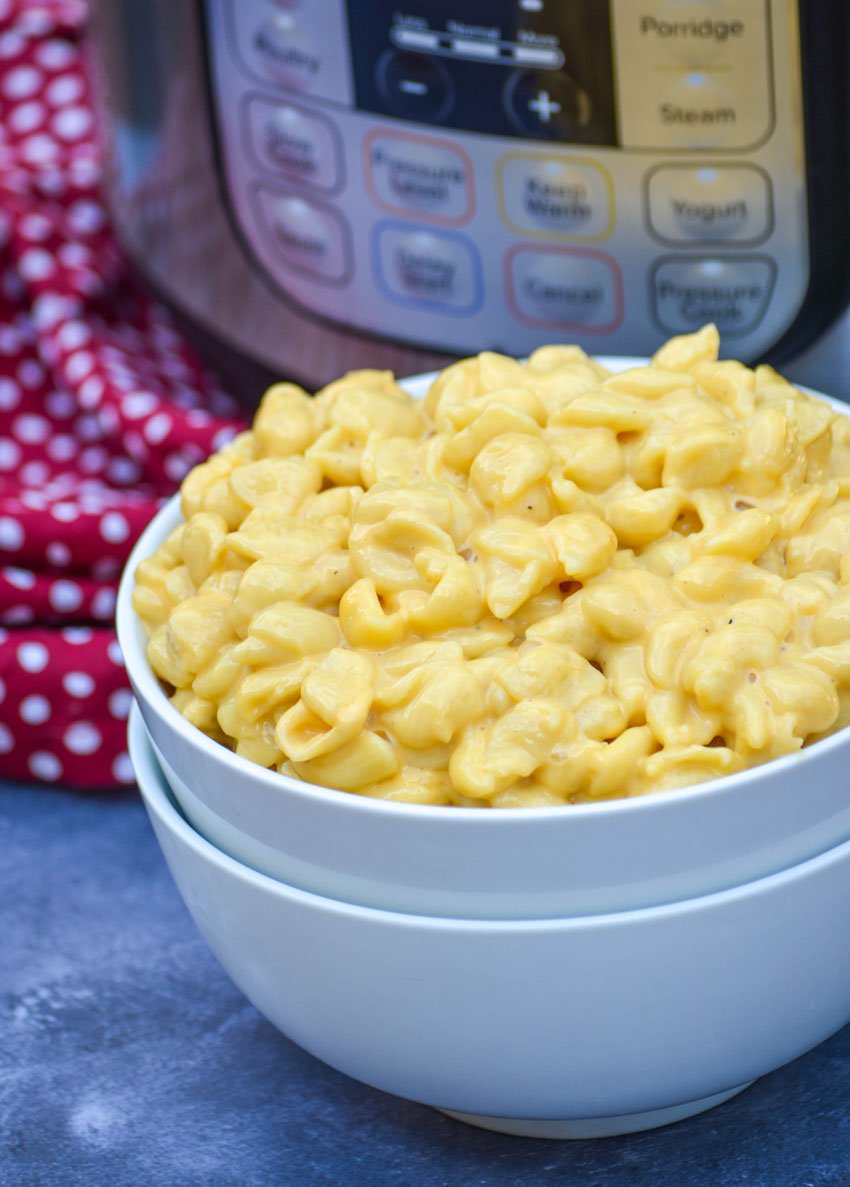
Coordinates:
<point>544,584</point>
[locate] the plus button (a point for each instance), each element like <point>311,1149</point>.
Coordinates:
<point>544,106</point>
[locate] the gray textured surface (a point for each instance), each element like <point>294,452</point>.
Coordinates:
<point>128,1059</point>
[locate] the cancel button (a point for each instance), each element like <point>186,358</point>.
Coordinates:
<point>687,292</point>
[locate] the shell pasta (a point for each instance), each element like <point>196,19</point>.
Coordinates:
<point>544,584</point>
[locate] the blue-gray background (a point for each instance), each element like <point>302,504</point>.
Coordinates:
<point>128,1059</point>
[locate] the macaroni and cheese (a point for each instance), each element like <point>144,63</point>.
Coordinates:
<point>543,584</point>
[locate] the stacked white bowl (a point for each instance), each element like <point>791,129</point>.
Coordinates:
<point>563,972</point>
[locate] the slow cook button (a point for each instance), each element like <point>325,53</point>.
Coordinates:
<point>308,238</point>
<point>687,292</point>
<point>414,173</point>
<point>561,288</point>
<point>728,202</point>
<point>545,194</point>
<point>436,269</point>
<point>288,140</point>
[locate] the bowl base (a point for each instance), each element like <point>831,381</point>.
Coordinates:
<point>595,1127</point>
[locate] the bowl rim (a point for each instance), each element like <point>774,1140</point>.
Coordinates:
<point>159,803</point>
<point>146,685</point>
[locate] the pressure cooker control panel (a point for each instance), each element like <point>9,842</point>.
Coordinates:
<point>463,176</point>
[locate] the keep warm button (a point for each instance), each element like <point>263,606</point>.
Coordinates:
<point>734,293</point>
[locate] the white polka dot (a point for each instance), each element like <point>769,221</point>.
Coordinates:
<point>65,596</point>
<point>77,635</point>
<point>123,470</point>
<point>36,264</point>
<point>50,308</point>
<point>19,578</point>
<point>11,45</point>
<point>10,341</point>
<point>26,117</point>
<point>85,171</point>
<point>31,429</point>
<point>56,55</point>
<point>114,528</point>
<point>10,454</point>
<point>58,553</point>
<point>73,334</point>
<point>33,657</point>
<point>36,20</point>
<point>31,374</point>
<point>35,710</point>
<point>62,448</point>
<point>34,473</point>
<point>157,428</point>
<point>93,459</point>
<point>103,604</point>
<point>176,467</point>
<point>45,765</point>
<point>114,653</point>
<point>106,568</point>
<point>120,702</point>
<point>71,123</point>
<point>22,81</point>
<point>65,512</point>
<point>10,394</point>
<point>78,684</point>
<point>138,404</point>
<point>82,738</point>
<point>60,405</point>
<point>75,255</point>
<point>18,615</point>
<point>88,427</point>
<point>91,390</point>
<point>11,534</point>
<point>86,216</point>
<point>122,768</point>
<point>7,742</point>
<point>78,365</point>
<point>32,499</point>
<point>39,150</point>
<point>65,89</point>
<point>2,690</point>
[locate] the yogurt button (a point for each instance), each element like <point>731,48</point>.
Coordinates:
<point>687,292</point>
<point>309,238</point>
<point>427,268</point>
<point>565,289</point>
<point>721,202</point>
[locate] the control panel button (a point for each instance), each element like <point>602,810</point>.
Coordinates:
<point>415,86</point>
<point>297,46</point>
<point>687,292</point>
<point>310,238</point>
<point>302,145</point>
<point>564,289</point>
<point>427,268</point>
<point>692,74</point>
<point>412,173</point>
<point>546,104</point>
<point>557,196</point>
<point>729,203</point>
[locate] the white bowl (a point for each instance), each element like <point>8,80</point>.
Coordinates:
<point>480,863</point>
<point>572,1027</point>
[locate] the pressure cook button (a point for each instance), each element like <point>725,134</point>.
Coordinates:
<point>547,104</point>
<point>687,292</point>
<point>419,173</point>
<point>415,86</point>
<point>560,196</point>
<point>297,143</point>
<point>720,202</point>
<point>565,289</point>
<point>434,269</point>
<point>309,238</point>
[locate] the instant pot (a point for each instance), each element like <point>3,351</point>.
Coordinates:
<point>321,185</point>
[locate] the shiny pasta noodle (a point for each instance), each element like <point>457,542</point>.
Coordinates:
<point>544,584</point>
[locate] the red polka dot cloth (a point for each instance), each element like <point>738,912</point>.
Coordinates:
<point>103,410</point>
